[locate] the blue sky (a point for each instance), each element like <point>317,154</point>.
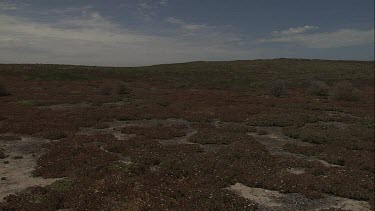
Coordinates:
<point>145,32</point>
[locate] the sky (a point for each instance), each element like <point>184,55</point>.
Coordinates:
<point>147,32</point>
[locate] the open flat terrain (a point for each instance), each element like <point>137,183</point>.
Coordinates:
<point>192,136</point>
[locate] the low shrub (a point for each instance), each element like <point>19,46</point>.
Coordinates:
<point>278,88</point>
<point>105,89</point>
<point>121,89</point>
<point>117,88</point>
<point>2,154</point>
<point>262,132</point>
<point>157,132</point>
<point>318,88</point>
<point>3,90</point>
<point>345,91</point>
<point>52,134</point>
<point>61,185</point>
<point>213,136</point>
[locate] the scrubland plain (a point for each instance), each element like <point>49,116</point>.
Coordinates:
<point>282,134</point>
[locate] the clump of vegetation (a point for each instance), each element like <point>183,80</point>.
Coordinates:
<point>262,132</point>
<point>101,125</point>
<point>3,90</point>
<point>213,136</point>
<point>18,157</point>
<point>157,132</point>
<point>30,103</point>
<point>105,89</point>
<point>9,138</point>
<point>121,89</point>
<point>118,88</point>
<point>368,123</point>
<point>62,185</point>
<point>2,154</point>
<point>318,88</point>
<point>237,128</point>
<point>278,88</point>
<point>53,134</point>
<point>345,91</point>
<point>133,169</point>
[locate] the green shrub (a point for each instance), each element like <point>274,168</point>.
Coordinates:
<point>278,88</point>
<point>345,91</point>
<point>318,88</point>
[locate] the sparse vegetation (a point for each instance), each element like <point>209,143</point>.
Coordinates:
<point>209,113</point>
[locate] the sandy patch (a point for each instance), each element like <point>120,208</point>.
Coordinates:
<point>274,200</point>
<point>66,106</point>
<point>296,171</point>
<point>275,140</point>
<point>261,196</point>
<point>17,173</point>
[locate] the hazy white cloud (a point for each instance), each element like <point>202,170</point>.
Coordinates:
<point>187,26</point>
<point>205,34</point>
<point>92,39</point>
<point>84,36</point>
<point>297,30</point>
<point>338,38</point>
<point>164,2</point>
<point>7,5</point>
<point>147,9</point>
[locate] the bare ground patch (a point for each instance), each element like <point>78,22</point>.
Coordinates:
<point>16,169</point>
<point>274,200</point>
<point>274,140</point>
